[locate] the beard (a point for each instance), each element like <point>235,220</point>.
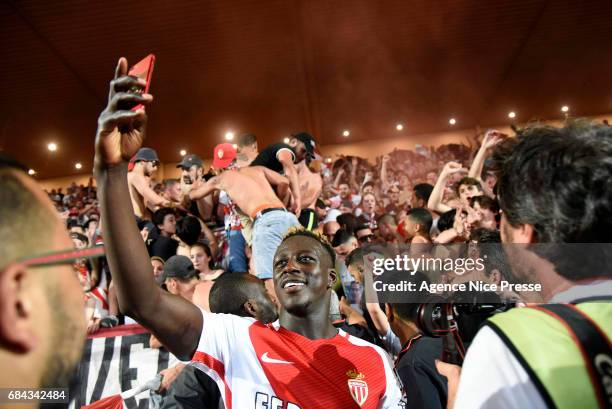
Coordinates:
<point>60,367</point>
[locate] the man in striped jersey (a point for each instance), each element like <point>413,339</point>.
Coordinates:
<point>299,361</point>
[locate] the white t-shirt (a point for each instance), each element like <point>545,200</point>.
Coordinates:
<point>491,377</point>
<point>267,366</point>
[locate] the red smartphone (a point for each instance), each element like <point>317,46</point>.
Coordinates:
<point>144,70</point>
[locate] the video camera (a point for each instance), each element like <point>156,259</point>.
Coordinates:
<point>458,319</point>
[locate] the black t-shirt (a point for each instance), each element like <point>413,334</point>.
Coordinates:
<point>269,157</point>
<point>416,368</point>
<point>192,389</point>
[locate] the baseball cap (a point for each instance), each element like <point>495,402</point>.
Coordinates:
<point>79,236</point>
<point>178,267</point>
<point>308,141</point>
<point>224,154</point>
<point>145,154</point>
<point>191,160</point>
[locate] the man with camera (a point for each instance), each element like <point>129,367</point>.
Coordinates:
<point>554,189</point>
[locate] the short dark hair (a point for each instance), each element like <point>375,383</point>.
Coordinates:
<point>168,183</point>
<point>25,220</point>
<point>355,256</point>
<point>482,235</point>
<point>368,183</point>
<point>468,181</point>
<point>347,221</point>
<point>446,220</point>
<point>558,181</point>
<point>361,227</point>
<point>300,231</point>
<point>387,218</point>
<point>485,202</point>
<point>423,191</point>
<point>70,223</point>
<point>342,236</point>
<point>160,215</point>
<point>247,139</point>
<point>230,292</point>
<point>422,217</point>
<point>189,230</point>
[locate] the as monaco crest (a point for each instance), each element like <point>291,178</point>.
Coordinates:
<point>358,387</point>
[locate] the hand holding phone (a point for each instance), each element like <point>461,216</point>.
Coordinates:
<point>142,70</point>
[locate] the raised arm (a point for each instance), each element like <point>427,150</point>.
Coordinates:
<point>491,138</point>
<point>336,183</point>
<point>435,199</point>
<point>205,189</point>
<point>384,172</point>
<point>176,322</point>
<point>353,176</point>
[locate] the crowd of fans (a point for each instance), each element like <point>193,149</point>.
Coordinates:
<point>404,197</point>
<point>256,268</point>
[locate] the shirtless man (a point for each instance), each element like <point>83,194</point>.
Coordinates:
<point>247,150</point>
<point>144,200</point>
<point>282,157</point>
<point>311,186</point>
<point>192,174</point>
<point>251,189</point>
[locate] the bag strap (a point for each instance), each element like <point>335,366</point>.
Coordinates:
<point>593,343</point>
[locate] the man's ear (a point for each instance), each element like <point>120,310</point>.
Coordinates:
<point>526,232</point>
<point>389,312</point>
<point>170,284</point>
<point>332,277</point>
<point>251,308</point>
<point>522,234</point>
<point>16,310</point>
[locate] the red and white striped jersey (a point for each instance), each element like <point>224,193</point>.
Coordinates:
<point>269,367</point>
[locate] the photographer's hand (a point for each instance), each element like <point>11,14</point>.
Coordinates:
<point>452,374</point>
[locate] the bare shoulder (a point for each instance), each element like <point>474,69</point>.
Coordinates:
<point>135,178</point>
<point>200,294</point>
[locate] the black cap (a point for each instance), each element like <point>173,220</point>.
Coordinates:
<point>178,267</point>
<point>308,141</point>
<point>146,154</point>
<point>80,237</point>
<point>191,160</point>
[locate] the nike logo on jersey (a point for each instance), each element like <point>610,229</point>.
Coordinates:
<point>265,358</point>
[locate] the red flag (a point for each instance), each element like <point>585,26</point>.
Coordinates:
<point>112,402</point>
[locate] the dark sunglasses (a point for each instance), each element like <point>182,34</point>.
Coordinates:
<point>366,239</point>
